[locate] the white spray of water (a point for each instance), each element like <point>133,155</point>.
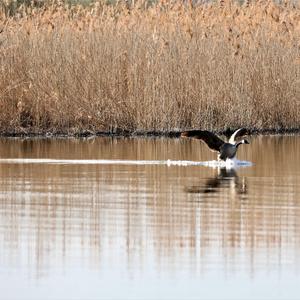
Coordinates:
<point>229,163</point>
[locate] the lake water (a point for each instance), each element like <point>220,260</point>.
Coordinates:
<point>124,218</point>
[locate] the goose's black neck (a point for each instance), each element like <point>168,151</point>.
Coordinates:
<point>237,144</point>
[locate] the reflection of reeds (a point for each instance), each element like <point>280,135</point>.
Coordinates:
<point>142,210</point>
<point>170,66</point>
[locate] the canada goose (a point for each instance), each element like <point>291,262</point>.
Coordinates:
<point>225,149</point>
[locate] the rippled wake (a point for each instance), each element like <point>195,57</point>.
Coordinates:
<point>214,163</point>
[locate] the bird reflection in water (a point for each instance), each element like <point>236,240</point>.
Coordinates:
<point>225,179</point>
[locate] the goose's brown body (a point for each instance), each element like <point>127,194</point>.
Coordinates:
<point>227,151</point>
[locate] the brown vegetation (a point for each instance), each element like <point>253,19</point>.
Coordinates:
<point>167,67</point>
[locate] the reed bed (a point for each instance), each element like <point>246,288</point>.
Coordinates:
<point>164,67</point>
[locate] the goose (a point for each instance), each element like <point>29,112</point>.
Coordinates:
<point>225,149</point>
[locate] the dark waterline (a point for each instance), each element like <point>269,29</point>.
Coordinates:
<point>141,134</point>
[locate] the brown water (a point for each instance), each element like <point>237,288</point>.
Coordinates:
<point>103,229</point>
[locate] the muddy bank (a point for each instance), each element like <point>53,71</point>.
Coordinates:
<point>124,133</point>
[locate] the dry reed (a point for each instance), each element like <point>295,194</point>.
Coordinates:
<point>167,67</point>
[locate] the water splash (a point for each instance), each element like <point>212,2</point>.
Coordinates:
<point>214,163</point>
<point>228,164</point>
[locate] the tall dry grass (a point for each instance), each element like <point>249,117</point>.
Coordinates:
<point>167,67</point>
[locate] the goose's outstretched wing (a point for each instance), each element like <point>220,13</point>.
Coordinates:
<point>238,133</point>
<point>212,141</point>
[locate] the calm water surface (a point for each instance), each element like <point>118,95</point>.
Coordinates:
<point>74,230</point>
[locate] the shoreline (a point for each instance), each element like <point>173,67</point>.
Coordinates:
<point>138,134</point>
